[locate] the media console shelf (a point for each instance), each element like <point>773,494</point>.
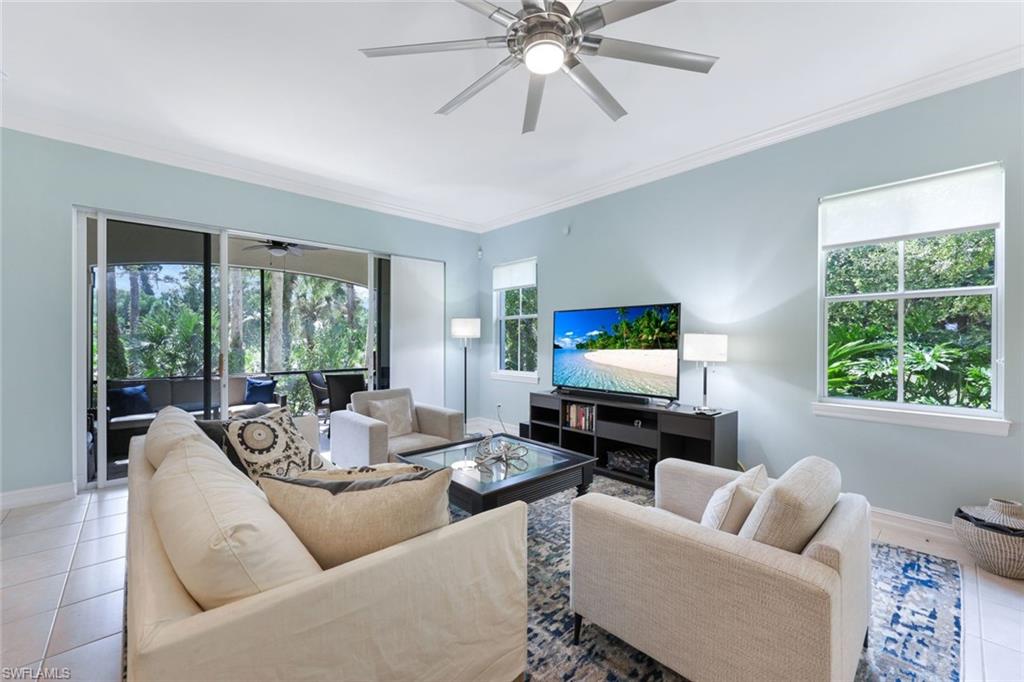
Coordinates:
<point>648,429</point>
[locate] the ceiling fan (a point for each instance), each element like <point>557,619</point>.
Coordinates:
<point>548,35</point>
<point>277,248</point>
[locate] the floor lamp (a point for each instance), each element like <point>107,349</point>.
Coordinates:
<point>705,348</point>
<point>465,328</point>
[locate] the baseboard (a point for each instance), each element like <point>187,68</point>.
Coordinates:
<point>914,524</point>
<point>38,495</point>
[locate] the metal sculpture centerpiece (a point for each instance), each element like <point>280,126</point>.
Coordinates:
<point>552,35</point>
<point>490,452</point>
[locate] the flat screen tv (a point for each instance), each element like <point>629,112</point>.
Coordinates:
<point>631,350</point>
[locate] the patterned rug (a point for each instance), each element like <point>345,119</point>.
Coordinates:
<point>915,624</point>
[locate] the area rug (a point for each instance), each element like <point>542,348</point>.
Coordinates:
<point>915,620</point>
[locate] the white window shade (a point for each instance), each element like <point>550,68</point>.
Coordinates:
<point>947,202</point>
<point>521,273</point>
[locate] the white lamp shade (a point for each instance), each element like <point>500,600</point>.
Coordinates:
<point>466,327</point>
<point>705,347</point>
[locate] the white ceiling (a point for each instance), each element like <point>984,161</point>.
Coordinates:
<point>278,94</point>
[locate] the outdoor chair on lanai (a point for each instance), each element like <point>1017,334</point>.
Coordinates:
<point>321,398</point>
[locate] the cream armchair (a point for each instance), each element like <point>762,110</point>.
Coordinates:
<point>358,439</point>
<point>712,605</point>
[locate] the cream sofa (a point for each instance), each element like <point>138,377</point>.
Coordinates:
<point>358,439</point>
<point>715,606</point>
<point>447,605</point>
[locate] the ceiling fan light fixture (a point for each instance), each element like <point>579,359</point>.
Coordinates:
<point>278,251</point>
<point>544,53</point>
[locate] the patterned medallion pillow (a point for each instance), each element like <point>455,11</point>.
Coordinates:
<point>339,516</point>
<point>217,431</point>
<point>272,445</point>
<point>395,412</point>
<point>730,505</point>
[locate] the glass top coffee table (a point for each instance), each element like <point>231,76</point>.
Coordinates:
<point>542,470</point>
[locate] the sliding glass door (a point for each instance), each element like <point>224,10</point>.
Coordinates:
<point>155,341</point>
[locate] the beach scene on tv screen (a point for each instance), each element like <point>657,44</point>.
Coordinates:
<point>627,350</point>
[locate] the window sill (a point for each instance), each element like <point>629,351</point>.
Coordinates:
<point>987,426</point>
<point>520,377</point>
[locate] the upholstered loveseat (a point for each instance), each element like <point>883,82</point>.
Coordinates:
<point>447,605</point>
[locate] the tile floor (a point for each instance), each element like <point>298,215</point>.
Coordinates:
<point>62,587</point>
<point>62,592</point>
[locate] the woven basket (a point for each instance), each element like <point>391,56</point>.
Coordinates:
<point>994,535</point>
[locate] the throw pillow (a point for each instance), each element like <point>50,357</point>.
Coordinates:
<point>790,511</point>
<point>170,427</point>
<point>216,430</point>
<point>339,518</point>
<point>395,412</point>
<point>729,505</point>
<point>272,445</point>
<point>221,536</point>
<point>126,400</point>
<point>259,390</point>
<point>364,472</point>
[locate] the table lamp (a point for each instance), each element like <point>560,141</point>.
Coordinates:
<point>705,348</point>
<point>465,328</point>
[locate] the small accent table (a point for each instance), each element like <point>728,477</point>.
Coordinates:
<point>544,471</point>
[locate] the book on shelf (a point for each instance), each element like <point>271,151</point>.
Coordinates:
<point>580,417</point>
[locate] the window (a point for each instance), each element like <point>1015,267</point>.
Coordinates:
<point>515,314</point>
<point>910,294</point>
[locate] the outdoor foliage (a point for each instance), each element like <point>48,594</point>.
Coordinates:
<point>947,352</point>
<point>655,328</point>
<point>519,336</point>
<point>155,324</point>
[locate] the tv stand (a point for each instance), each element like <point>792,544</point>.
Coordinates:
<point>651,430</point>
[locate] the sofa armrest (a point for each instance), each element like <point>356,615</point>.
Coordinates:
<point>447,605</point>
<point>684,487</point>
<point>357,440</point>
<point>440,422</point>
<point>844,543</point>
<point>708,604</point>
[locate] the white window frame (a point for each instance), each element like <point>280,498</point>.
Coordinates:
<point>499,317</point>
<point>972,420</point>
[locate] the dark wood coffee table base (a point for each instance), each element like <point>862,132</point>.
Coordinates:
<point>530,490</point>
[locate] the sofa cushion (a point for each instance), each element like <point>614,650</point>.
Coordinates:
<point>259,390</point>
<point>339,517</point>
<point>730,504</point>
<point>220,534</point>
<point>273,445</point>
<point>414,441</point>
<point>170,427</point>
<point>790,510</point>
<point>395,412</point>
<point>128,400</point>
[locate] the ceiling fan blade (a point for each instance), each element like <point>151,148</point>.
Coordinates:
<point>570,6</point>
<point>582,76</point>
<point>441,46</point>
<point>307,247</point>
<point>492,12</point>
<point>504,66</point>
<point>598,17</point>
<point>533,98</point>
<point>255,247</point>
<point>532,6</point>
<point>648,54</point>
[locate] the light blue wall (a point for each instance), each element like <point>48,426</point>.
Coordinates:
<point>43,178</point>
<point>736,243</point>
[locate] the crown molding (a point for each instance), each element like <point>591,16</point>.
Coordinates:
<point>229,166</point>
<point>290,180</point>
<point>975,71</point>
